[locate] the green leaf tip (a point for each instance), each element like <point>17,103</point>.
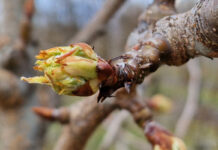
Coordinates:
<point>69,70</point>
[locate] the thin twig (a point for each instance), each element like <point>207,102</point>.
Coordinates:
<point>191,105</point>
<point>61,114</point>
<point>113,130</point>
<point>95,26</point>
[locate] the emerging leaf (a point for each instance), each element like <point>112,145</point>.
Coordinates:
<point>161,139</point>
<point>70,70</point>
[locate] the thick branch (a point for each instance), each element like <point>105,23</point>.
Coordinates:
<point>199,37</point>
<point>167,43</point>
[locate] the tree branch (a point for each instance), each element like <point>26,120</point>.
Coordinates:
<point>95,26</point>
<point>113,130</point>
<point>10,98</point>
<point>76,134</point>
<point>85,116</point>
<point>61,114</point>
<point>167,43</point>
<point>19,128</point>
<point>191,105</point>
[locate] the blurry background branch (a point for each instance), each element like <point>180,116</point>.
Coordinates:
<point>194,90</point>
<point>96,26</point>
<point>113,130</point>
<point>19,128</point>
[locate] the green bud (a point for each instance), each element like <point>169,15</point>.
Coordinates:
<point>157,147</point>
<point>178,144</point>
<point>70,70</point>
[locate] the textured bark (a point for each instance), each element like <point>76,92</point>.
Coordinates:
<point>144,55</point>
<point>167,42</point>
<point>199,37</point>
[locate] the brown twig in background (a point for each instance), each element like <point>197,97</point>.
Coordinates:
<point>113,130</point>
<point>85,116</point>
<point>61,114</point>
<point>25,29</point>
<point>18,125</point>
<point>194,89</point>
<point>4,40</point>
<point>136,142</point>
<point>24,36</point>
<point>82,125</point>
<point>95,26</point>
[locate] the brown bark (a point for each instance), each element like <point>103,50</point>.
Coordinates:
<point>199,37</point>
<point>85,116</point>
<point>82,125</point>
<point>166,42</point>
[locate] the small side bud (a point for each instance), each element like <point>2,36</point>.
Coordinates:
<point>160,103</point>
<point>162,139</point>
<point>52,114</point>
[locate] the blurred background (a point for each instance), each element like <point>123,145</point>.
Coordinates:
<point>54,23</point>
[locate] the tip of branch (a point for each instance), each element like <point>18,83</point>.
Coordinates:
<point>51,114</point>
<point>29,8</point>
